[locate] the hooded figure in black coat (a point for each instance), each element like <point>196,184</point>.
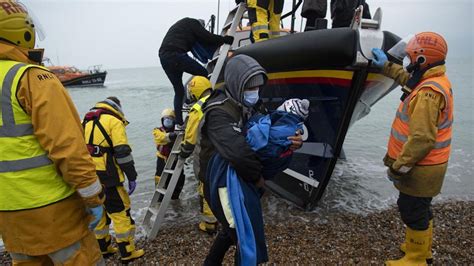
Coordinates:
<point>178,41</point>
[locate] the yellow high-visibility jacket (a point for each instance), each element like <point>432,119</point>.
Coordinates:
<point>192,126</point>
<point>164,142</point>
<point>110,150</point>
<point>41,97</point>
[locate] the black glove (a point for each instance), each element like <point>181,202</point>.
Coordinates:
<point>172,136</point>
<point>228,39</point>
<point>239,1</point>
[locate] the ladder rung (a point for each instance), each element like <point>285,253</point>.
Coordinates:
<point>169,171</point>
<point>153,211</point>
<point>161,191</point>
<point>234,10</point>
<point>227,26</point>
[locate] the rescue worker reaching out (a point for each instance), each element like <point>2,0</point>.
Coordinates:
<point>165,137</point>
<point>104,129</point>
<point>420,139</point>
<point>264,16</point>
<point>48,184</point>
<point>199,88</point>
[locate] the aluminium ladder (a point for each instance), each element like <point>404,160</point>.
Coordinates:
<point>230,26</point>
<point>155,214</point>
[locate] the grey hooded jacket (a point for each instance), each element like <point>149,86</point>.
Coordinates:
<point>224,118</point>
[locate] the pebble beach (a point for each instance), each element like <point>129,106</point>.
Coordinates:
<point>343,238</point>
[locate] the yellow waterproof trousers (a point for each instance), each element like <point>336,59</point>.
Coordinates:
<point>82,252</point>
<point>206,214</point>
<point>264,16</point>
<point>117,210</point>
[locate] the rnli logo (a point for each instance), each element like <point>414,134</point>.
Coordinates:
<point>45,76</point>
<point>12,8</point>
<point>427,40</point>
<point>430,95</point>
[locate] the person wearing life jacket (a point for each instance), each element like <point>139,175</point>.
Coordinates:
<point>104,131</point>
<point>420,141</point>
<point>199,89</point>
<point>264,18</point>
<point>178,41</point>
<point>165,137</point>
<point>50,196</point>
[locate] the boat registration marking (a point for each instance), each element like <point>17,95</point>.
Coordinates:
<point>302,178</point>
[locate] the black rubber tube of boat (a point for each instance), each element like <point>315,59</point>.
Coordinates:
<point>358,82</point>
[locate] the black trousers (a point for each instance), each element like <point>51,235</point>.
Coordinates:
<point>415,211</point>
<point>223,241</point>
<point>175,64</point>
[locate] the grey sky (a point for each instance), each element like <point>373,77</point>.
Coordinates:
<point>121,34</point>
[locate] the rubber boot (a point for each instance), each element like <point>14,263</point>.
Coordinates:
<point>417,244</point>
<point>218,249</point>
<point>429,253</point>
<point>106,247</point>
<point>210,228</point>
<point>128,252</point>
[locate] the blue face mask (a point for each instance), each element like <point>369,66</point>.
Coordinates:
<point>250,97</point>
<point>168,123</point>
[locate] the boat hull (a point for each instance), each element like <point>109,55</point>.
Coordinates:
<point>96,79</point>
<point>320,66</point>
<point>337,100</point>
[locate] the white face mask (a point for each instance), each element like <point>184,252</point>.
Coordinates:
<point>251,97</point>
<point>168,123</point>
<point>406,62</point>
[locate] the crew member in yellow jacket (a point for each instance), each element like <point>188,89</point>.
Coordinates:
<point>48,184</point>
<point>164,139</point>
<point>264,16</point>
<point>420,139</point>
<point>199,89</point>
<point>104,129</point>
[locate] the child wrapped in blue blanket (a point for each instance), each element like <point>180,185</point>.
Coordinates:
<point>268,134</point>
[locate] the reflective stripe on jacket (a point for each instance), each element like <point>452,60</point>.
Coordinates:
<point>400,127</point>
<point>192,126</point>
<point>28,178</point>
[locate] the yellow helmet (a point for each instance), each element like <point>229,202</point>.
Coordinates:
<point>167,113</point>
<point>16,26</point>
<point>197,86</point>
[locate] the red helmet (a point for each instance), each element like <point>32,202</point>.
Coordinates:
<point>427,48</point>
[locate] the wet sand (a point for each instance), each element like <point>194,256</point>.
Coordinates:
<point>341,239</point>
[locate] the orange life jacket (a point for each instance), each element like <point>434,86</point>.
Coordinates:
<point>400,126</point>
